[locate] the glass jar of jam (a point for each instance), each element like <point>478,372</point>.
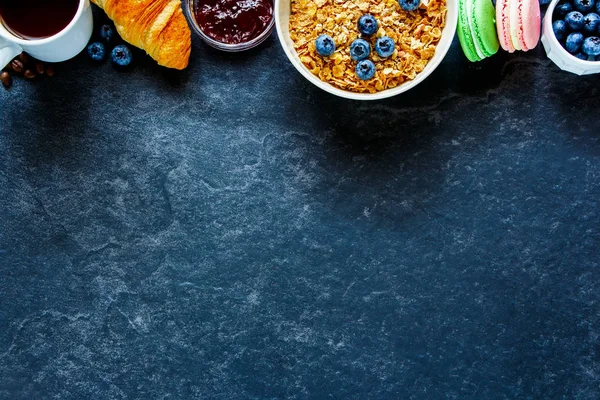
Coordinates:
<point>231,25</point>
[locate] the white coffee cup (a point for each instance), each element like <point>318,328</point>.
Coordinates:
<point>62,46</point>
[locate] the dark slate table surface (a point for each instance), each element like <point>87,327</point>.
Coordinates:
<point>232,232</point>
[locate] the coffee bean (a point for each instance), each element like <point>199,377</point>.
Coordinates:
<point>50,71</point>
<point>39,67</point>
<point>29,74</point>
<point>24,57</point>
<point>6,79</point>
<point>17,66</point>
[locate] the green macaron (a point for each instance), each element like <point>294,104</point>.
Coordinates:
<point>484,29</point>
<point>464,32</point>
<point>477,29</point>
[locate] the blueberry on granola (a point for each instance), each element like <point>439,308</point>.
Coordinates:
<point>360,49</point>
<point>385,46</point>
<point>367,25</point>
<point>365,69</point>
<point>409,5</point>
<point>325,45</point>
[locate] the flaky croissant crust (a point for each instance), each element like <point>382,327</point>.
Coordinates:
<point>156,26</point>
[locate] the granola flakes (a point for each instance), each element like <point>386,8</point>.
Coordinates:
<point>415,33</point>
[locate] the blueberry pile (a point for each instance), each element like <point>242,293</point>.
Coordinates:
<point>576,25</point>
<point>120,54</point>
<point>360,49</point>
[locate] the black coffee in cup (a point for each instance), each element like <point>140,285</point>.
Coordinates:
<point>37,19</point>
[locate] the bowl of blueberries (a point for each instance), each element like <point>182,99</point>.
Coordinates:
<point>571,35</point>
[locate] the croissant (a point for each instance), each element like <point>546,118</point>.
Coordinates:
<point>156,26</point>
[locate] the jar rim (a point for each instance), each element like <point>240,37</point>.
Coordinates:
<point>189,12</point>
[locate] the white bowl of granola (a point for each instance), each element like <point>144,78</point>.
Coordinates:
<point>422,39</point>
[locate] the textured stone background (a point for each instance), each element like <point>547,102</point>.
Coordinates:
<point>232,232</point>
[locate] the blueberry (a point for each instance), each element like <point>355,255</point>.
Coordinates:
<point>385,46</point>
<point>360,49</point>
<point>591,22</point>
<point>121,55</point>
<point>544,2</point>
<point>598,7</point>
<point>96,51</point>
<point>367,25</point>
<point>591,46</point>
<point>560,29</point>
<point>409,5</point>
<point>106,33</point>
<point>581,56</point>
<point>574,20</point>
<point>584,6</point>
<point>573,43</point>
<point>325,45</point>
<point>365,69</point>
<point>563,9</point>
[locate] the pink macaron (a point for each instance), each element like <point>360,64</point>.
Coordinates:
<point>518,24</point>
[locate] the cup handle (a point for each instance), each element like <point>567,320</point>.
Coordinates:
<point>8,51</point>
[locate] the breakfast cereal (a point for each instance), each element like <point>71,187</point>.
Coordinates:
<point>415,33</point>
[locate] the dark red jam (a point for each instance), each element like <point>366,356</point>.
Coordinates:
<point>233,21</point>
